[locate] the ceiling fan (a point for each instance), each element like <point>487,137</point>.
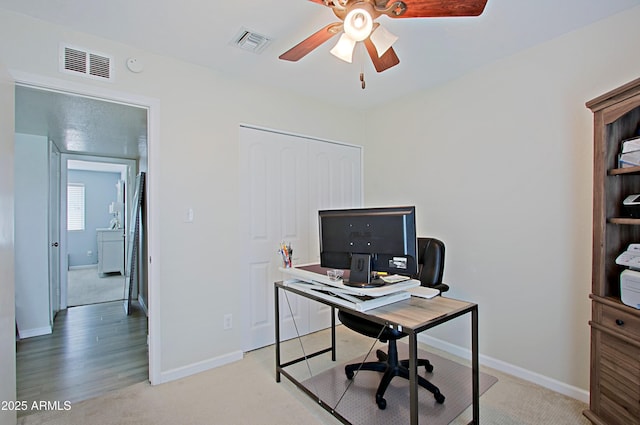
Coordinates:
<point>358,24</point>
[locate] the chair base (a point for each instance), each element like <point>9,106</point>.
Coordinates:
<point>391,367</point>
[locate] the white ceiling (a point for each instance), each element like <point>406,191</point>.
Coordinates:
<point>431,51</point>
<point>82,125</point>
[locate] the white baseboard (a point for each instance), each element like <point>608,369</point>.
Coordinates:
<point>84,266</point>
<point>192,369</point>
<point>28,333</point>
<point>143,304</point>
<point>527,375</point>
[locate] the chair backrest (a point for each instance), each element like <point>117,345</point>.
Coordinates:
<point>430,261</point>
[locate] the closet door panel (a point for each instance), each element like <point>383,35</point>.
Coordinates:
<point>335,182</point>
<point>272,210</point>
<point>257,212</point>
<point>291,167</point>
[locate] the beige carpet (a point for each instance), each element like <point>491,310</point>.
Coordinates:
<point>85,286</point>
<point>245,392</point>
<point>358,403</point>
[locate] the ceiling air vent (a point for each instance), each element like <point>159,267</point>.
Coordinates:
<point>248,40</point>
<point>76,61</point>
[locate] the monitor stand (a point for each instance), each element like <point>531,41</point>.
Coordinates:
<point>360,273</point>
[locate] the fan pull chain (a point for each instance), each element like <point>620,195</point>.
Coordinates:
<point>362,82</point>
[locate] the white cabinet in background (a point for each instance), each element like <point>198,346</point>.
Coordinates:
<point>110,251</point>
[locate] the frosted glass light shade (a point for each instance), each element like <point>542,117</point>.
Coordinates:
<point>344,48</point>
<point>382,39</point>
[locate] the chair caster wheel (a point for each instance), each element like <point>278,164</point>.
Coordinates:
<point>428,367</point>
<point>349,373</point>
<point>439,398</point>
<point>381,402</point>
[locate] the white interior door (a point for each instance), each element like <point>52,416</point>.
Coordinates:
<point>335,181</point>
<point>272,196</point>
<point>32,245</point>
<point>278,177</point>
<point>54,230</point>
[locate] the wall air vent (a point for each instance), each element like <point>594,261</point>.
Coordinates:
<point>78,61</point>
<point>251,41</point>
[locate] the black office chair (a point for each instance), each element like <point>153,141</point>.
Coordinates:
<point>430,270</point>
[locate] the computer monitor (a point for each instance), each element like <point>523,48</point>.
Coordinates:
<point>367,240</point>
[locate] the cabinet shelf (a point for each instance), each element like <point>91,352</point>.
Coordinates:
<point>624,220</point>
<point>622,171</point>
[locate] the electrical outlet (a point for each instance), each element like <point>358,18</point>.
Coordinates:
<point>228,323</point>
<point>89,253</point>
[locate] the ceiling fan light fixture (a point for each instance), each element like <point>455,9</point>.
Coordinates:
<point>382,39</point>
<point>344,48</point>
<point>358,23</point>
<point>357,19</point>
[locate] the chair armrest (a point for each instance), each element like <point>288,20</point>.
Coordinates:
<point>442,287</point>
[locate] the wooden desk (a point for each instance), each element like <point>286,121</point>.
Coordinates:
<point>411,316</point>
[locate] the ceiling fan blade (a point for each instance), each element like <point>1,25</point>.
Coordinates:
<point>441,8</point>
<point>303,48</point>
<point>384,62</point>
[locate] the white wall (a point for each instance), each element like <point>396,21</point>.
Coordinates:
<point>32,235</point>
<point>499,164</point>
<point>196,166</point>
<point>7,314</point>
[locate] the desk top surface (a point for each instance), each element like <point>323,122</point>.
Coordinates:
<point>415,312</point>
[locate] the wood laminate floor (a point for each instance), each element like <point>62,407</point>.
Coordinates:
<point>92,350</point>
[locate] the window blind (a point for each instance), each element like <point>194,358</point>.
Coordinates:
<point>75,206</point>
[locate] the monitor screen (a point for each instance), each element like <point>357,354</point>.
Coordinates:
<point>383,237</point>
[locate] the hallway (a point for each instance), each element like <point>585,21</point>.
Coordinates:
<point>94,349</point>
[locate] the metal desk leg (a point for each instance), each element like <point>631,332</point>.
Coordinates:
<point>475,366</point>
<point>277,323</point>
<point>333,333</point>
<point>413,378</point>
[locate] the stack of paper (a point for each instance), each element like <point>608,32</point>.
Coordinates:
<point>629,153</point>
<point>395,278</point>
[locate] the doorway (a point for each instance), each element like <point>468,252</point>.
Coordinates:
<point>58,116</point>
<point>97,207</point>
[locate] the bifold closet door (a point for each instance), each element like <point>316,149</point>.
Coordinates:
<point>284,180</point>
<point>273,183</point>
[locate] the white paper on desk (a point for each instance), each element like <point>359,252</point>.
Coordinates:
<point>379,291</point>
<point>345,300</point>
<point>423,292</point>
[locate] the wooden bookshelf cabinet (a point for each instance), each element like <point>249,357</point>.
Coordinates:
<point>615,327</point>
